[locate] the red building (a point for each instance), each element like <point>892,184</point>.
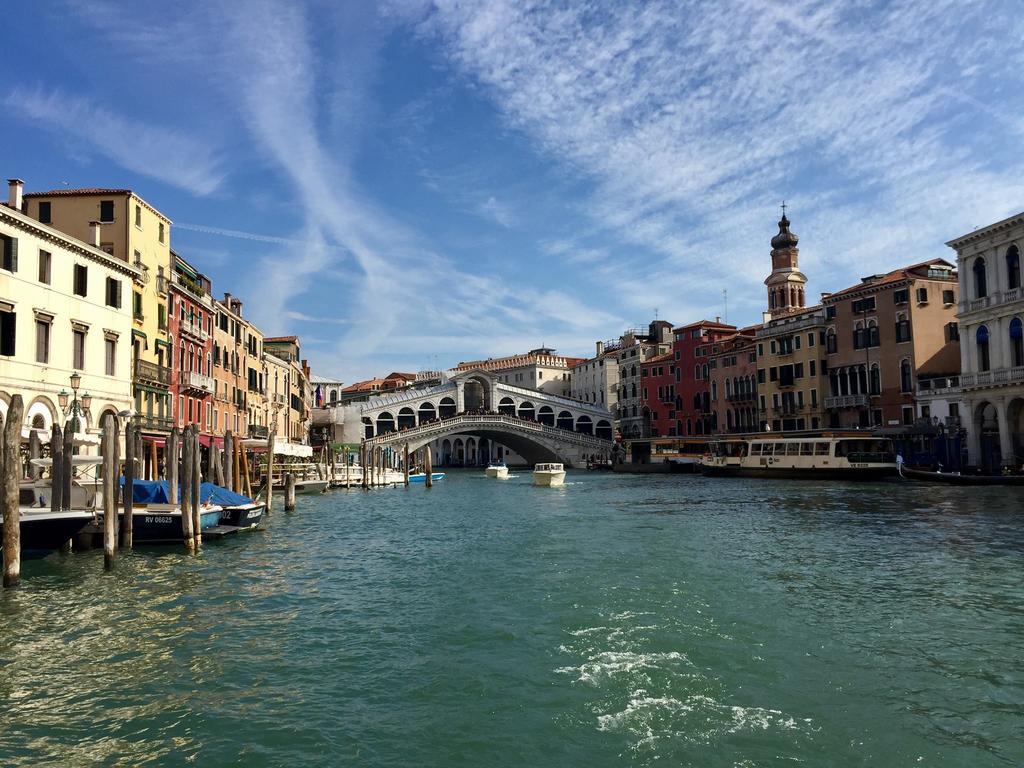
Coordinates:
<point>693,347</point>
<point>658,393</point>
<point>190,324</point>
<point>733,371</point>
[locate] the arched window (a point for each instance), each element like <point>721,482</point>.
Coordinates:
<point>906,379</point>
<point>1012,267</point>
<point>983,357</point>
<point>876,379</point>
<point>872,336</point>
<point>831,345</point>
<point>1017,342</point>
<point>902,327</point>
<point>980,279</point>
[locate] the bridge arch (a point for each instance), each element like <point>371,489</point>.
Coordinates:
<point>507,406</point>
<point>546,415</point>
<point>603,429</point>
<point>426,412</point>
<point>446,408</point>
<point>585,425</point>
<point>385,422</point>
<point>565,421</point>
<point>527,411</point>
<point>406,418</point>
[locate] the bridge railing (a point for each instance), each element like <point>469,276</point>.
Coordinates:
<point>441,426</point>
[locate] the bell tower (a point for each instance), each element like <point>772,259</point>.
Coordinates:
<point>786,283</point>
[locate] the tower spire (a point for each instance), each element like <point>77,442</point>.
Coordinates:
<point>786,284</point>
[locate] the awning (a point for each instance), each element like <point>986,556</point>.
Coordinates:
<point>281,448</point>
<point>207,440</point>
<point>160,442</point>
<point>80,439</point>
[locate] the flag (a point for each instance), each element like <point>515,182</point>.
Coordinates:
<point>319,397</point>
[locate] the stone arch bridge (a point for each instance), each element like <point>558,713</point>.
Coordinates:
<point>537,425</point>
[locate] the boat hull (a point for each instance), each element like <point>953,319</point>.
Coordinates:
<point>163,526</point>
<point>46,532</point>
<point>949,478</point>
<point>549,479</point>
<point>802,473</point>
<point>244,515</point>
<point>422,478</point>
<point>500,473</point>
<point>306,487</point>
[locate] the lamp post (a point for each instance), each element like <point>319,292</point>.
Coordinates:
<point>77,407</point>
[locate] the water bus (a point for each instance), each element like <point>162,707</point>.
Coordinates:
<point>826,455</point>
<point>549,474</point>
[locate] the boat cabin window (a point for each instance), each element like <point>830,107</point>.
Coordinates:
<point>779,449</point>
<point>821,449</point>
<point>755,449</point>
<point>792,449</point>
<point>807,449</point>
<point>865,450</point>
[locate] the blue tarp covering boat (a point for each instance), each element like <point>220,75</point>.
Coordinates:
<point>216,494</point>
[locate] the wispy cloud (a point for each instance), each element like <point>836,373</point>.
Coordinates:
<point>498,211</point>
<point>691,116</point>
<point>168,155</point>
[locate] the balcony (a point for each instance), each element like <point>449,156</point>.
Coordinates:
<point>151,373</point>
<point>994,300</point>
<point>258,431</point>
<point>1000,377</point>
<point>195,330</point>
<point>154,422</point>
<point>938,387</point>
<point>846,401</point>
<point>194,288</point>
<point>199,382</point>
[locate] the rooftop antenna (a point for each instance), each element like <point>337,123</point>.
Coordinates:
<point>725,299</point>
<point>655,313</point>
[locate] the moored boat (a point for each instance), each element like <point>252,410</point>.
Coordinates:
<point>549,474</point>
<point>236,509</point>
<point>497,470</point>
<point>43,531</point>
<point>421,477</point>
<point>827,456</point>
<point>955,478</point>
<point>155,520</point>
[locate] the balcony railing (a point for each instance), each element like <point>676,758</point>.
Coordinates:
<point>994,300</point>
<point>193,329</point>
<point>996,378</point>
<point>846,401</point>
<point>258,431</point>
<point>200,382</point>
<point>152,373</point>
<point>154,422</point>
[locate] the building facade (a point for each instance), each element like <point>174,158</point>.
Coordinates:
<point>791,371</point>
<point>635,348</point>
<point>190,327</point>
<point>292,389</point>
<point>539,369</point>
<point>883,335</point>
<point>128,228</point>
<point>733,371</point>
<point>64,311</point>
<point>693,348</point>
<point>597,380</point>
<point>991,313</point>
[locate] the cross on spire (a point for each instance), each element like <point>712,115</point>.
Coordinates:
<point>783,207</point>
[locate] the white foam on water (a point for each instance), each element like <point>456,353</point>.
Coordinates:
<point>610,664</point>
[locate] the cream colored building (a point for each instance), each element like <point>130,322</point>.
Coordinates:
<point>597,380</point>
<point>288,387</point>
<point>539,369</point>
<point>125,226</point>
<point>65,309</point>
<point>991,328</point>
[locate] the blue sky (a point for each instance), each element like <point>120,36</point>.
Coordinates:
<point>408,182</point>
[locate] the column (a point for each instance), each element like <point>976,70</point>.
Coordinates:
<point>973,425</point>
<point>460,397</point>
<point>1005,438</point>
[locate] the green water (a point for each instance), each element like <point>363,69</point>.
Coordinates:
<point>621,620</point>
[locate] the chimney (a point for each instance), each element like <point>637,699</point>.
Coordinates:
<point>94,230</point>
<point>15,188</point>
<point>600,348</point>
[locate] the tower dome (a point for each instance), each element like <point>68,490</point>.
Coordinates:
<point>785,238</point>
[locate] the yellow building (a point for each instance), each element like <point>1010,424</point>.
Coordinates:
<point>293,418</point>
<point>239,372</point>
<point>65,311</point>
<point>137,234</point>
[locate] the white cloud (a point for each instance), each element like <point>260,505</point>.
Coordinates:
<point>169,155</point>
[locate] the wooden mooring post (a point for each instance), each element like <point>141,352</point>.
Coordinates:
<point>229,450</point>
<point>10,487</point>
<point>269,479</point>
<point>109,475</point>
<point>171,465</point>
<point>34,451</point>
<point>67,465</point>
<point>127,495</point>
<point>428,467</point>
<point>56,468</point>
<point>236,465</point>
<point>185,472</point>
<point>363,461</point>
<point>405,464</point>
<point>197,482</point>
<point>289,492</point>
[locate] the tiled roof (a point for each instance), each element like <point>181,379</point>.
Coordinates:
<point>364,386</point>
<point>703,324</point>
<point>895,276</point>
<point>660,358</point>
<point>84,191</point>
<point>281,338</point>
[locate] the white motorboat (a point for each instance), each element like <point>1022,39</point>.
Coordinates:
<point>498,470</point>
<point>549,474</point>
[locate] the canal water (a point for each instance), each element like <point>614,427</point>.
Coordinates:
<point>621,620</point>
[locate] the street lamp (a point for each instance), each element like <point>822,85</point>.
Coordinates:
<point>78,406</point>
